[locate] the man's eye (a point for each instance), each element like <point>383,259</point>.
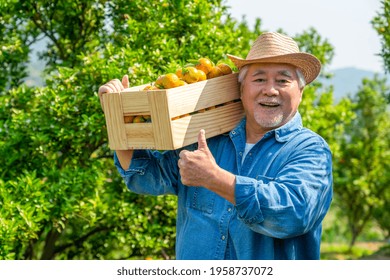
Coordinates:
<point>260,80</point>
<point>282,81</point>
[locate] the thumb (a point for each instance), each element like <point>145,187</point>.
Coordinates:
<point>125,81</point>
<point>202,144</point>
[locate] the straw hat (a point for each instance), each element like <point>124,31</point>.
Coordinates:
<point>272,47</point>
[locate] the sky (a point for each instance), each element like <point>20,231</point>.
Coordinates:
<point>344,23</point>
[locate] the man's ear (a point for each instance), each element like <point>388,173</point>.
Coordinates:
<point>301,93</point>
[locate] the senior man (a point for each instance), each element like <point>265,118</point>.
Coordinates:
<point>259,192</point>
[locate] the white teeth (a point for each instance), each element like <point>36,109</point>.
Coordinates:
<point>268,104</point>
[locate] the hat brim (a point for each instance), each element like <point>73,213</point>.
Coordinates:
<point>307,63</point>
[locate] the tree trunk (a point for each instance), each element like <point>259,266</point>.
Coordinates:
<point>49,249</point>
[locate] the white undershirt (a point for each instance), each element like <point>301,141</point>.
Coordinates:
<point>248,147</point>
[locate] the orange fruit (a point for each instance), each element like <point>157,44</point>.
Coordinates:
<point>129,119</point>
<point>201,76</point>
<point>171,81</point>
<point>150,87</point>
<point>167,81</point>
<point>204,64</point>
<point>190,74</point>
<point>138,119</point>
<point>179,73</point>
<point>215,72</point>
<point>159,82</point>
<point>225,68</point>
<point>182,83</point>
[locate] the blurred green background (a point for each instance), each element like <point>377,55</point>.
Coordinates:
<point>60,194</point>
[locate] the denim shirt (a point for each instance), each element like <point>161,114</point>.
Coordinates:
<point>283,191</point>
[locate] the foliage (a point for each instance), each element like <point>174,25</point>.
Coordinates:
<point>381,23</point>
<point>60,194</point>
<point>14,48</point>
<point>362,175</point>
<point>61,197</point>
<point>312,42</point>
<point>318,108</point>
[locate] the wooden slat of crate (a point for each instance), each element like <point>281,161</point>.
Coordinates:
<point>113,112</point>
<point>135,102</point>
<point>161,120</point>
<point>139,136</point>
<point>216,121</point>
<point>201,95</point>
<point>183,100</point>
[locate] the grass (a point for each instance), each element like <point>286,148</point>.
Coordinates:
<point>361,250</point>
<point>336,238</point>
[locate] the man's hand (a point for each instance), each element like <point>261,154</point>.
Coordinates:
<point>197,168</point>
<point>113,86</point>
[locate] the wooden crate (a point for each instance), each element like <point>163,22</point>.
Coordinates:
<point>177,114</point>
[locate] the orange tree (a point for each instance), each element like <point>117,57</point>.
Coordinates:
<point>361,156</point>
<point>381,23</point>
<point>363,173</point>
<point>60,195</point>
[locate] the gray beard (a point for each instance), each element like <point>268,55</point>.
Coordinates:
<point>269,122</point>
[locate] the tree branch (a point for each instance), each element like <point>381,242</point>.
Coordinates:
<point>80,240</point>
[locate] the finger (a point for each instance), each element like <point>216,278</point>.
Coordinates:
<point>125,81</point>
<point>183,154</point>
<point>117,85</point>
<point>112,87</point>
<point>180,163</point>
<point>202,143</point>
<point>104,89</point>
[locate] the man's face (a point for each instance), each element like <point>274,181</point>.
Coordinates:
<point>270,95</point>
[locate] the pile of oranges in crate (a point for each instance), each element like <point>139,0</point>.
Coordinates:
<point>202,70</point>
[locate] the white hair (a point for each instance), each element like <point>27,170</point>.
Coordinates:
<point>244,71</point>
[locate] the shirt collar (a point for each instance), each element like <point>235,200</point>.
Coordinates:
<point>288,130</point>
<point>282,134</point>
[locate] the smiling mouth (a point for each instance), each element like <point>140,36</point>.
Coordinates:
<point>269,104</point>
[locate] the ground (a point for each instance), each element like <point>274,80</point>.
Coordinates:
<point>362,250</point>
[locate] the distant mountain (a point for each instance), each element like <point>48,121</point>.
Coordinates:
<point>346,81</point>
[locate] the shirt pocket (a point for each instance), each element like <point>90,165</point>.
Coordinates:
<point>201,199</point>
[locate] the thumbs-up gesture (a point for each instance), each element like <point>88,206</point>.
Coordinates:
<point>199,166</point>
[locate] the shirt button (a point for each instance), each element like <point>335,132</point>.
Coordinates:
<point>229,209</point>
<point>223,237</point>
<point>240,153</point>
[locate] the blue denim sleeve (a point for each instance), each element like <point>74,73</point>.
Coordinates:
<point>151,172</point>
<point>294,200</point>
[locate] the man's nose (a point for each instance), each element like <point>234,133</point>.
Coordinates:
<point>270,89</point>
